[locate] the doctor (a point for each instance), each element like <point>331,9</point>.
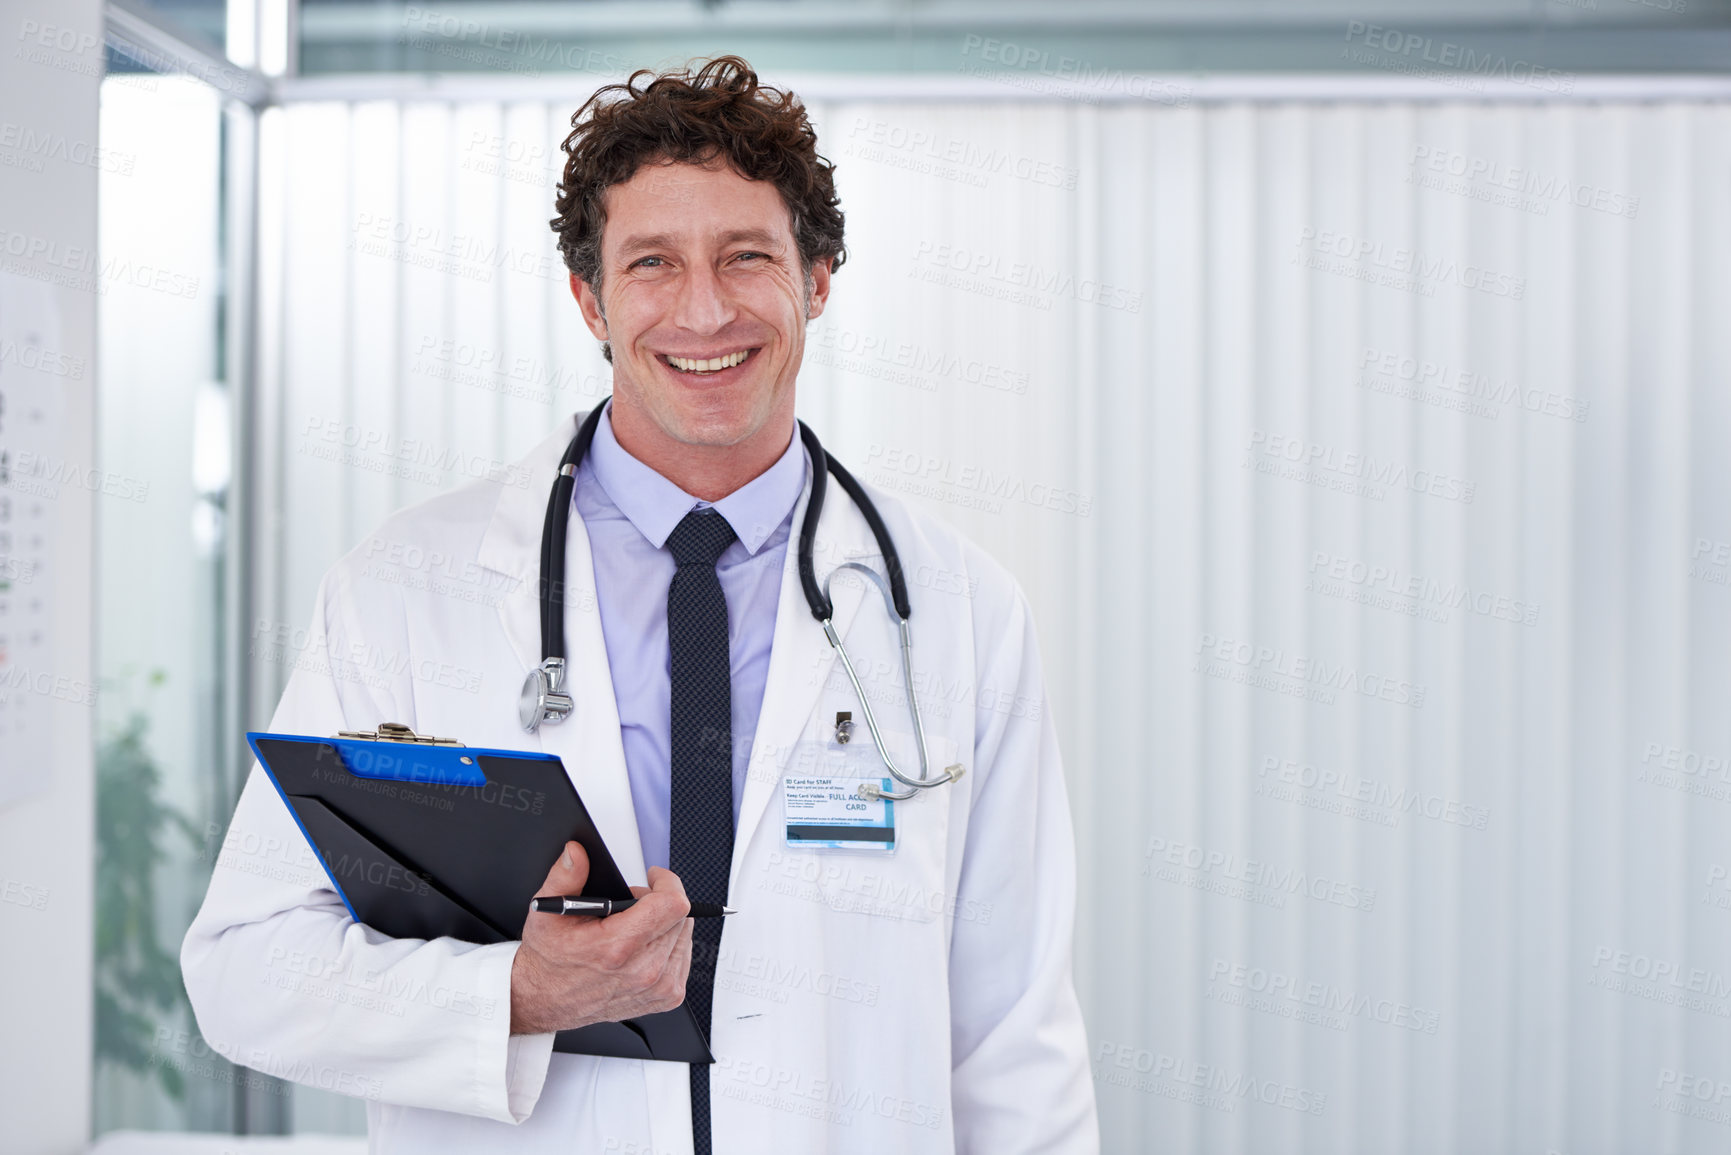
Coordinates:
<point>914,999</point>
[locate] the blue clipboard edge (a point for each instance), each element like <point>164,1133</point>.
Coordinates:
<point>253,736</point>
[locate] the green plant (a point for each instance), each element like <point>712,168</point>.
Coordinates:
<point>138,982</point>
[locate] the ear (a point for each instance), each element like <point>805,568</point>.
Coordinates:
<point>820,271</point>
<point>590,306</point>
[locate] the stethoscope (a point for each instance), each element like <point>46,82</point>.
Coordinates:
<point>545,699</point>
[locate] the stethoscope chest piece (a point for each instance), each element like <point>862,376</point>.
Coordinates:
<point>544,698</point>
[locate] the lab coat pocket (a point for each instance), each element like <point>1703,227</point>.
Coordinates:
<point>831,801</point>
<point>879,858</point>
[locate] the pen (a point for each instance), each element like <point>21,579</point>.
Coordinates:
<point>602,907</point>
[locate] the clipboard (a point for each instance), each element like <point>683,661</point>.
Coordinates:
<point>425,837</point>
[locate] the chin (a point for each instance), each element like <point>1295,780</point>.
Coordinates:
<point>725,417</point>
<point>715,429</point>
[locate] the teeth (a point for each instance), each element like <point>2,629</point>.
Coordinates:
<point>700,365</point>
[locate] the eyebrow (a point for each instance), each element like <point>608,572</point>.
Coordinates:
<point>754,236</point>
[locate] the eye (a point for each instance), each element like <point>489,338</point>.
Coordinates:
<point>747,256</point>
<point>645,262</point>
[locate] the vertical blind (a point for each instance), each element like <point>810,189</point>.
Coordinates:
<point>1365,463</point>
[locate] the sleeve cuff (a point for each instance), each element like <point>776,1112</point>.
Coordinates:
<point>526,1060</point>
<point>511,1069</point>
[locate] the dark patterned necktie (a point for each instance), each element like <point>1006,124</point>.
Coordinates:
<point>700,830</point>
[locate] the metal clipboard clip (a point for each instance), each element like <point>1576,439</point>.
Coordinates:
<point>396,732</point>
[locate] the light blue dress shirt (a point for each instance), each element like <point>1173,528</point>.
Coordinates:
<point>629,510</point>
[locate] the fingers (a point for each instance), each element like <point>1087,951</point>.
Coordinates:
<point>663,946</point>
<point>663,917</point>
<point>662,906</point>
<point>635,962</point>
<point>648,932</point>
<point>663,881</point>
<point>672,972</point>
<point>665,884</point>
<point>658,918</point>
<point>671,984</point>
<point>682,952</point>
<point>654,873</point>
<point>570,871</point>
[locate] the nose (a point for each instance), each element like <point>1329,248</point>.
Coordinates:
<point>704,305</point>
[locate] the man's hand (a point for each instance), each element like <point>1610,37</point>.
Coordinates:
<point>572,971</point>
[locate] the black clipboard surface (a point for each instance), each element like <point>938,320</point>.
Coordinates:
<point>424,841</point>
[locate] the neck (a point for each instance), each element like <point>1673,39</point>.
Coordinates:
<point>706,472</point>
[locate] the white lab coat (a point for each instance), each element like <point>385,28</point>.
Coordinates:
<point>915,1002</point>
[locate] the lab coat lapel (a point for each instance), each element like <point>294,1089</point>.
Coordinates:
<point>801,658</point>
<point>512,546</point>
<point>588,741</point>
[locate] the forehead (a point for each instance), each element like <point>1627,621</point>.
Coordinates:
<point>692,203</point>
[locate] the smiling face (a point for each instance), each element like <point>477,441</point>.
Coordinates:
<point>704,302</point>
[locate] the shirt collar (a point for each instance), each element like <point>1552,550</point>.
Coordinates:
<point>654,505</point>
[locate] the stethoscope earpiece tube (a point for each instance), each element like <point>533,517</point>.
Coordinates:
<point>821,609</point>
<point>892,560</point>
<point>544,697</point>
<point>547,534</point>
<point>553,537</point>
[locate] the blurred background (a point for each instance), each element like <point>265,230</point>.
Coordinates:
<point>1341,381</point>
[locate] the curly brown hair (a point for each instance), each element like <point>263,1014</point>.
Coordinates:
<point>718,111</point>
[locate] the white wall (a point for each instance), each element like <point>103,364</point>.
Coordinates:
<point>50,91</point>
<point>1077,331</point>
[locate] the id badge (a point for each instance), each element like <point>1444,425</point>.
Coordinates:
<point>828,814</point>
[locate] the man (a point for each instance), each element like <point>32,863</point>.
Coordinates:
<point>915,1000</point>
